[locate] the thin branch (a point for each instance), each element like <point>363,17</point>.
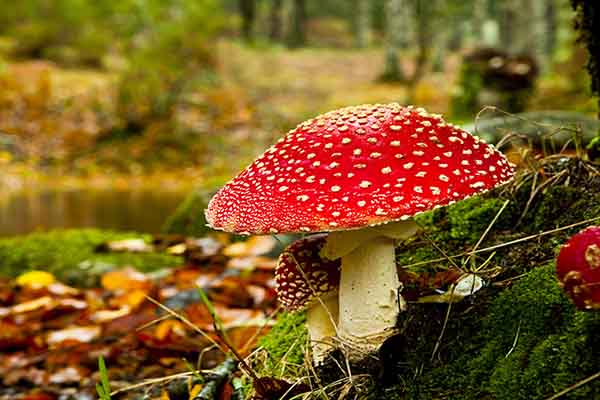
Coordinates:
<point>575,386</point>
<point>500,245</point>
<point>187,322</point>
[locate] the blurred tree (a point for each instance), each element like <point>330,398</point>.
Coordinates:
<point>395,30</point>
<point>362,28</point>
<point>297,33</point>
<point>587,22</point>
<point>526,28</point>
<point>478,19</point>
<point>426,13</point>
<point>275,20</point>
<point>248,13</point>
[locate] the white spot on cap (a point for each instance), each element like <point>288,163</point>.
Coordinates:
<point>395,143</point>
<point>386,170</point>
<point>375,155</point>
<point>357,152</point>
<point>408,165</point>
<point>418,189</point>
<point>346,140</point>
<point>302,197</point>
<point>361,203</point>
<point>335,188</point>
<point>283,188</point>
<point>365,184</point>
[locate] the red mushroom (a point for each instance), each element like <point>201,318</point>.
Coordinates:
<point>306,281</point>
<point>578,268</point>
<point>348,172</point>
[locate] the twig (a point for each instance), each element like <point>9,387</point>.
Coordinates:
<point>575,386</point>
<point>187,322</point>
<point>438,342</point>
<point>514,345</point>
<point>154,381</point>
<point>500,245</point>
<point>489,227</point>
<point>220,374</point>
<point>220,331</point>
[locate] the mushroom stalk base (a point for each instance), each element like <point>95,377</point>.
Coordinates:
<point>321,325</point>
<point>369,296</point>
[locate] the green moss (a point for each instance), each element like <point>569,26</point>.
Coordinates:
<point>285,345</point>
<point>70,254</point>
<point>468,219</point>
<point>188,219</point>
<point>529,344</point>
<point>465,101</point>
<point>283,350</point>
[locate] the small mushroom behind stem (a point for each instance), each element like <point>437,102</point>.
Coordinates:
<point>306,281</point>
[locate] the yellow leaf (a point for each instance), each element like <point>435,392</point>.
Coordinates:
<point>35,279</point>
<point>195,390</point>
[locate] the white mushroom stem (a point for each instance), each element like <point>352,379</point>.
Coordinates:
<point>368,293</point>
<point>321,320</point>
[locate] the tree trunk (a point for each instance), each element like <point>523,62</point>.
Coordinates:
<point>552,21</point>
<point>509,30</point>
<point>297,35</point>
<point>275,20</point>
<point>248,13</point>
<point>362,23</point>
<point>539,34</point>
<point>395,17</point>
<point>478,20</point>
<point>424,37</point>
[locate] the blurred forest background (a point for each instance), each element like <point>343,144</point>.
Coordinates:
<point>159,96</point>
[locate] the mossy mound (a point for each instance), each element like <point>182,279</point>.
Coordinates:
<point>188,219</point>
<point>70,255</point>
<point>517,338</point>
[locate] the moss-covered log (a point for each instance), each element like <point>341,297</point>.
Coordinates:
<point>519,337</point>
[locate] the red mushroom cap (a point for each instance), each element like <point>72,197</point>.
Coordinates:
<point>578,268</point>
<point>300,262</point>
<point>356,167</point>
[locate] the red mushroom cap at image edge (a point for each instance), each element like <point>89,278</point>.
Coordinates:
<point>300,262</point>
<point>357,167</point>
<point>578,268</point>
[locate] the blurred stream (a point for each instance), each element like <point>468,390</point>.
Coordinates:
<point>142,210</point>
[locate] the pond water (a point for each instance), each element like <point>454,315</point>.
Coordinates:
<point>140,210</point>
